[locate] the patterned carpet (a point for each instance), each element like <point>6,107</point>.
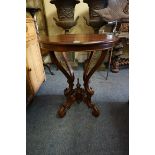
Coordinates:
<point>79,133</point>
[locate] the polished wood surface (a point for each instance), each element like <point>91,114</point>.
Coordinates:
<point>77,42</point>
<point>72,43</point>
<point>79,39</point>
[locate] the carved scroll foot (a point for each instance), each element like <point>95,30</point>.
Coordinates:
<point>95,111</point>
<point>93,107</point>
<point>64,107</point>
<point>61,111</point>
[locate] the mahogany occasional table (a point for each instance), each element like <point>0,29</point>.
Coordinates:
<point>74,43</point>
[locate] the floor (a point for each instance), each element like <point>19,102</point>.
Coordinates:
<point>79,133</point>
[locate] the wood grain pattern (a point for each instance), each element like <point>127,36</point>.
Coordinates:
<point>78,39</point>
<point>74,42</point>
<point>30,30</point>
<point>34,66</point>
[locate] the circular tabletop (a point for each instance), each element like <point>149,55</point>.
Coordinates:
<point>79,39</point>
<point>68,42</point>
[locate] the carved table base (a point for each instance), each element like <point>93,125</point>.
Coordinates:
<point>78,94</point>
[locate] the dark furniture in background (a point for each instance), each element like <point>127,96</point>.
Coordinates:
<point>95,21</point>
<point>65,12</point>
<point>116,14</point>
